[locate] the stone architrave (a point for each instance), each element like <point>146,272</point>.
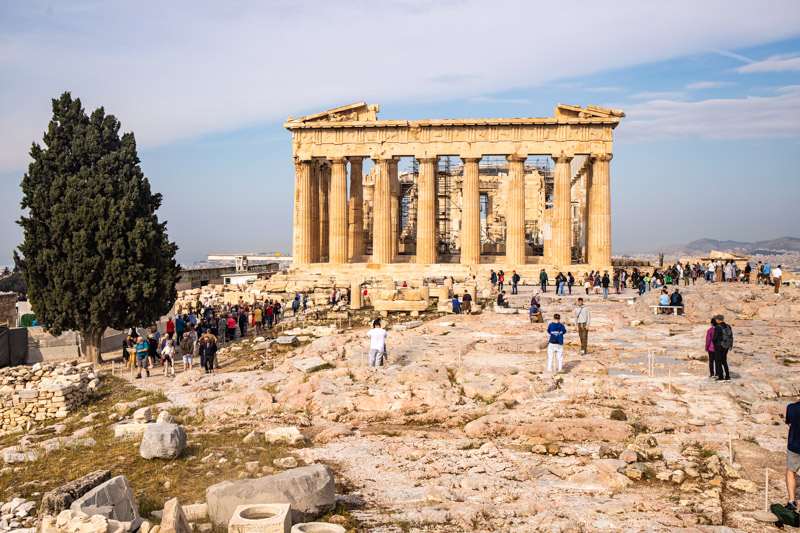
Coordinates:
<point>426,211</point>
<point>471,213</point>
<point>561,224</point>
<point>515,214</point>
<point>599,244</point>
<point>382,252</point>
<point>56,500</point>
<point>338,212</point>
<point>355,245</point>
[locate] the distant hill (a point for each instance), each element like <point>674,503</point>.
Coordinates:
<point>705,246</point>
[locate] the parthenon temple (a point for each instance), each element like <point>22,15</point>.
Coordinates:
<point>507,192</point>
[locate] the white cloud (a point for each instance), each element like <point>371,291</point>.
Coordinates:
<point>492,100</point>
<point>778,63</point>
<point>177,70</point>
<point>658,95</point>
<point>708,84</point>
<point>604,89</point>
<point>717,119</point>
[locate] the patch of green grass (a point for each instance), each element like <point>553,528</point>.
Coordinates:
<point>272,388</point>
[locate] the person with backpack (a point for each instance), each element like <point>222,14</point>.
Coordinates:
<point>543,280</point>
<point>792,452</point>
<point>561,279</point>
<point>723,342</point>
<point>501,278</point>
<point>295,306</point>
<point>514,281</point>
<point>493,280</point>
<point>570,282</point>
<point>555,345</point>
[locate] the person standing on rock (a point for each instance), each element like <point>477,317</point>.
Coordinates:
<point>466,302</point>
<point>777,274</point>
<point>583,319</point>
<point>555,346</point>
<point>792,452</point>
<point>723,341</point>
<point>377,343</point>
<point>710,347</point>
<point>514,281</point>
<point>543,280</point>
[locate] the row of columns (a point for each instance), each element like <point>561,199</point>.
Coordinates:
<point>329,225</point>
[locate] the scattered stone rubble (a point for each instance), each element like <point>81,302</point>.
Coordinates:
<point>43,391</point>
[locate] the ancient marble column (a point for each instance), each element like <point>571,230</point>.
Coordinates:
<point>382,214</point>
<point>471,213</point>
<point>394,181</point>
<point>355,237</point>
<point>587,186</point>
<point>316,228</point>
<point>598,247</point>
<point>426,211</point>
<point>561,242</point>
<point>337,204</point>
<point>324,194</point>
<point>301,252</point>
<point>515,212</point>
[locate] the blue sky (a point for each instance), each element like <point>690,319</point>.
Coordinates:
<point>711,91</point>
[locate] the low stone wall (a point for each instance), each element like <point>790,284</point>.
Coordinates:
<point>43,391</point>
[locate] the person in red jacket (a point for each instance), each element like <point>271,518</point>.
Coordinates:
<point>170,328</point>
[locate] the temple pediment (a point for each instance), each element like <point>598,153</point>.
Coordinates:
<point>574,111</point>
<point>357,112</point>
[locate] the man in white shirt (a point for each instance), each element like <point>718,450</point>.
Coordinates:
<point>776,278</point>
<point>377,343</point>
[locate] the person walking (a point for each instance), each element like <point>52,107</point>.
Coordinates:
<point>456,305</point>
<point>142,362</point>
<point>710,347</point>
<point>493,279</point>
<point>561,279</point>
<point>514,281</point>
<point>187,347</point>
<point>170,328</point>
<point>792,452</point>
<point>377,343</point>
<point>777,274</point>
<point>570,282</point>
<point>543,280</point>
<point>606,282</point>
<point>587,283</point>
<point>501,278</point>
<point>168,357</point>
<point>723,342</point>
<point>555,346</point>
<point>583,319</point>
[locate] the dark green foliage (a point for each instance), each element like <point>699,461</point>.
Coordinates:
<point>94,254</point>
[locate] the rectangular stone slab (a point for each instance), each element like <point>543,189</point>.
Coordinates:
<point>55,501</point>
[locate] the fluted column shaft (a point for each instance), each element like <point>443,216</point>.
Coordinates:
<point>324,214</point>
<point>599,228</point>
<point>382,214</point>
<point>426,211</point>
<point>316,228</point>
<point>301,252</point>
<point>515,211</point>
<point>471,213</point>
<point>355,236</point>
<point>561,242</point>
<point>394,180</point>
<point>337,204</point>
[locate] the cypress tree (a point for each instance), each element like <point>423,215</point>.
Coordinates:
<point>94,254</point>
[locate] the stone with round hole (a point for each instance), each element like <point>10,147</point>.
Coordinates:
<point>261,518</point>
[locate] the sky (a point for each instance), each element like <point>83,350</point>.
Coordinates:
<point>711,90</point>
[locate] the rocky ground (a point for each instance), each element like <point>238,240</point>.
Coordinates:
<point>464,430</point>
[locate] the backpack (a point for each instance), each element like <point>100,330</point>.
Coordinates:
<point>785,516</point>
<point>727,337</point>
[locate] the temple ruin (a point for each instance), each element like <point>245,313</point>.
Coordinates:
<point>498,192</point>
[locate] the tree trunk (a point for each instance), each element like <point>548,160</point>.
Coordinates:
<point>92,339</point>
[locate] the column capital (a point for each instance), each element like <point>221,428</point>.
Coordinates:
<point>355,158</point>
<point>339,160</point>
<point>515,158</point>
<point>427,159</point>
<point>562,159</point>
<point>465,159</point>
<point>602,157</point>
